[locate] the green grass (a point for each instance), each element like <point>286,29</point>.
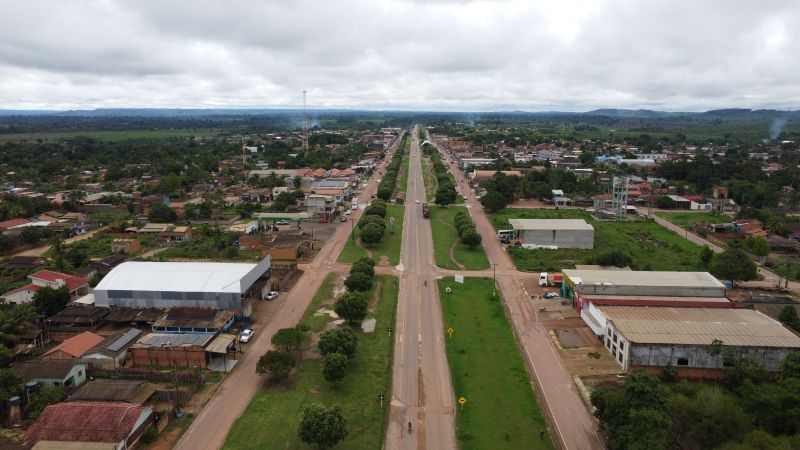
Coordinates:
<point>271,419</point>
<point>501,410</point>
<point>325,292</point>
<point>686,219</point>
<point>402,179</point>
<point>429,178</point>
<point>389,246</point>
<point>650,246</point>
<point>111,136</point>
<point>100,247</point>
<point>444,234</point>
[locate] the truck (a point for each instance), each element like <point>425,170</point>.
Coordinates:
<point>426,211</point>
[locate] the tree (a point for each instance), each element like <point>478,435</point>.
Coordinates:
<point>733,265</point>
<point>665,202</point>
<point>51,301</point>
<point>352,307</point>
<point>11,384</point>
<point>288,339</point>
<point>366,220</point>
<point>364,265</point>
<point>371,234</point>
<point>46,396</point>
<point>788,317</point>
<point>343,341</point>
<point>614,258</point>
<point>790,367</point>
<point>170,184</point>
<point>706,256</point>
<point>445,194</point>
<point>334,367</point>
<point>359,282</point>
<point>15,321</point>
<point>275,363</point>
<point>161,213</point>
<point>493,201</point>
<point>471,238</point>
<point>322,426</point>
<point>5,356</point>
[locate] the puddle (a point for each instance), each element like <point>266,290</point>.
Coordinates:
<point>368,326</point>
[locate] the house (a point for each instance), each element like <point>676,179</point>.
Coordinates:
<point>114,390</point>
<point>178,350</point>
<point>482,177</point>
<point>90,422</point>
<point>76,319</point>
<point>8,224</point>
<point>22,263</point>
<point>52,373</point>
<point>194,320</point>
<point>323,206</point>
<point>287,247</point>
<point>111,352</point>
<point>45,278</point>
<point>73,348</point>
<point>127,246</point>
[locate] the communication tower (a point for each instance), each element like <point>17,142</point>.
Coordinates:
<point>619,197</point>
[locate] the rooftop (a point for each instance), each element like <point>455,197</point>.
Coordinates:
<point>549,224</point>
<point>51,370</point>
<point>86,422</point>
<point>174,339</point>
<point>180,277</point>
<point>699,326</point>
<point>643,278</point>
<point>77,346</point>
<point>108,390</point>
<point>72,282</point>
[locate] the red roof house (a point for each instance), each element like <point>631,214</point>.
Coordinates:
<point>91,422</point>
<point>55,280</point>
<point>74,347</point>
<point>6,224</point>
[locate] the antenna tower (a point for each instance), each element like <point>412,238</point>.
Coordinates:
<point>305,124</point>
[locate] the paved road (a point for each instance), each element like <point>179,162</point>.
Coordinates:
<point>572,426</point>
<point>770,278</point>
<point>211,426</point>
<point>421,390</point>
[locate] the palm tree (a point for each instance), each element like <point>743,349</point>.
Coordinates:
<point>776,225</point>
<point>15,321</point>
<point>76,196</point>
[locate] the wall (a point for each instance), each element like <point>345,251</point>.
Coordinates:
<point>184,356</point>
<point>559,238</point>
<point>147,299</point>
<point>769,358</point>
<point>677,291</point>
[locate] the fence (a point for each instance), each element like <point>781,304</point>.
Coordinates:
<point>134,373</point>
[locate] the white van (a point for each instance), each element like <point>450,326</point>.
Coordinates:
<point>543,279</point>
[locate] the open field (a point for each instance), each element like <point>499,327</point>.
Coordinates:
<point>444,235</point>
<point>686,219</point>
<point>501,410</point>
<point>389,246</point>
<point>271,419</point>
<point>112,136</point>
<point>650,246</point>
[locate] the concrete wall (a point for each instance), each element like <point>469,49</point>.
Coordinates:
<point>559,238</point>
<point>184,356</point>
<point>677,291</point>
<point>769,358</point>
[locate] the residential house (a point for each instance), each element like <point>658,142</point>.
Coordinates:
<point>127,246</point>
<point>112,352</point>
<point>52,373</point>
<point>73,348</point>
<point>77,286</point>
<point>121,424</point>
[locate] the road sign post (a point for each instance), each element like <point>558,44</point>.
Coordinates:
<point>450,332</point>
<point>462,401</point>
<point>381,397</point>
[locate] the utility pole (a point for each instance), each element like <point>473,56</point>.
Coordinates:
<point>494,280</point>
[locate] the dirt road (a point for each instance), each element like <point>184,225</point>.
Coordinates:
<point>210,428</point>
<point>422,393</point>
<point>39,251</point>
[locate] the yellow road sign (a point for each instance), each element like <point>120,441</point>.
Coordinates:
<point>450,331</point>
<point>462,401</point>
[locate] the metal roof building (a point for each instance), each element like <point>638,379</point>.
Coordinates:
<point>172,284</point>
<point>659,336</point>
<point>553,233</point>
<point>646,283</point>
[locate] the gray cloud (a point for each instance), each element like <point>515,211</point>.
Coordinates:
<point>406,54</point>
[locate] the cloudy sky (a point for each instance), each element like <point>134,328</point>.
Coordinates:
<point>400,54</point>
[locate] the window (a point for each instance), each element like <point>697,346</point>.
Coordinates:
<point>120,294</point>
<point>172,295</point>
<point>683,362</point>
<point>621,346</point>
<point>619,357</point>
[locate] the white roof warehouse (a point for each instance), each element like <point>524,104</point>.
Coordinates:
<point>171,284</point>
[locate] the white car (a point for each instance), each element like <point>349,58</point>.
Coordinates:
<point>348,212</point>
<point>272,295</point>
<point>416,201</point>
<point>247,333</point>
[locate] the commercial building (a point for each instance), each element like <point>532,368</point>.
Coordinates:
<point>589,290</point>
<point>231,286</point>
<point>553,233</point>
<point>653,338</point>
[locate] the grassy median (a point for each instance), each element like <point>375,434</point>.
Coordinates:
<point>444,236</point>
<point>389,246</point>
<point>271,419</point>
<point>501,410</point>
<point>650,246</point>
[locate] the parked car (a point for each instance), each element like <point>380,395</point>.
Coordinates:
<point>272,295</point>
<point>247,333</point>
<point>283,222</point>
<point>551,295</point>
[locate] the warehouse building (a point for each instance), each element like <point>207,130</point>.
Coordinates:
<point>231,286</point>
<point>588,290</point>
<point>553,233</point>
<point>652,338</point>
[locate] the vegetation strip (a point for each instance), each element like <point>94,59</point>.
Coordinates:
<point>501,411</point>
<point>445,236</point>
